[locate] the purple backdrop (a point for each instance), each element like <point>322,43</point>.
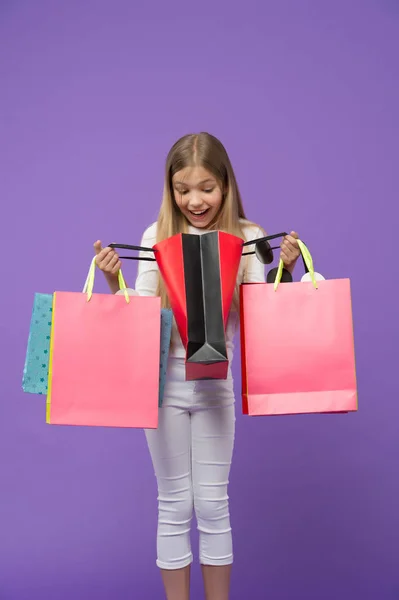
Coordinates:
<point>305,96</point>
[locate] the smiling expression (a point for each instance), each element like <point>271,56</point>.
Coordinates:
<point>198,195</point>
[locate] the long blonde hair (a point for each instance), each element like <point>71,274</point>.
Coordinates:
<point>203,150</point>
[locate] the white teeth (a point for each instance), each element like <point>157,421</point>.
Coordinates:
<point>198,212</point>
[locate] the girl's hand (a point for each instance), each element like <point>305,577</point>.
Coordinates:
<point>290,251</point>
<point>107,260</point>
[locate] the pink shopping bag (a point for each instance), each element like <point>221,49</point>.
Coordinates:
<point>297,347</point>
<point>104,360</point>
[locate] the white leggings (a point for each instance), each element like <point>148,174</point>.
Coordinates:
<point>191,452</point>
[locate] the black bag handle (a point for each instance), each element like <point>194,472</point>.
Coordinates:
<point>266,239</point>
<point>264,251</point>
<point>134,248</point>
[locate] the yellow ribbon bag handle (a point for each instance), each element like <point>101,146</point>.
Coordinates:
<point>307,258</point>
<point>89,283</point>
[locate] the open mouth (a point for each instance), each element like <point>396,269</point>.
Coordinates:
<point>198,214</point>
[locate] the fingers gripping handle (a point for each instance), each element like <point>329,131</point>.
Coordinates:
<point>89,283</point>
<point>264,251</point>
<point>308,262</point>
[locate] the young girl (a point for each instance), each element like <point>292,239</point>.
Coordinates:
<point>192,448</point>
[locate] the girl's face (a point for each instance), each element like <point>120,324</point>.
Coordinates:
<point>198,195</point>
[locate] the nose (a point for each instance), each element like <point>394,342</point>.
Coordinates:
<point>196,199</point>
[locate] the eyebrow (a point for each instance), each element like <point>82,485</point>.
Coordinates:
<point>209,180</point>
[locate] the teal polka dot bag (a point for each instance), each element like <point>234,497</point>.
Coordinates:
<point>35,373</point>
